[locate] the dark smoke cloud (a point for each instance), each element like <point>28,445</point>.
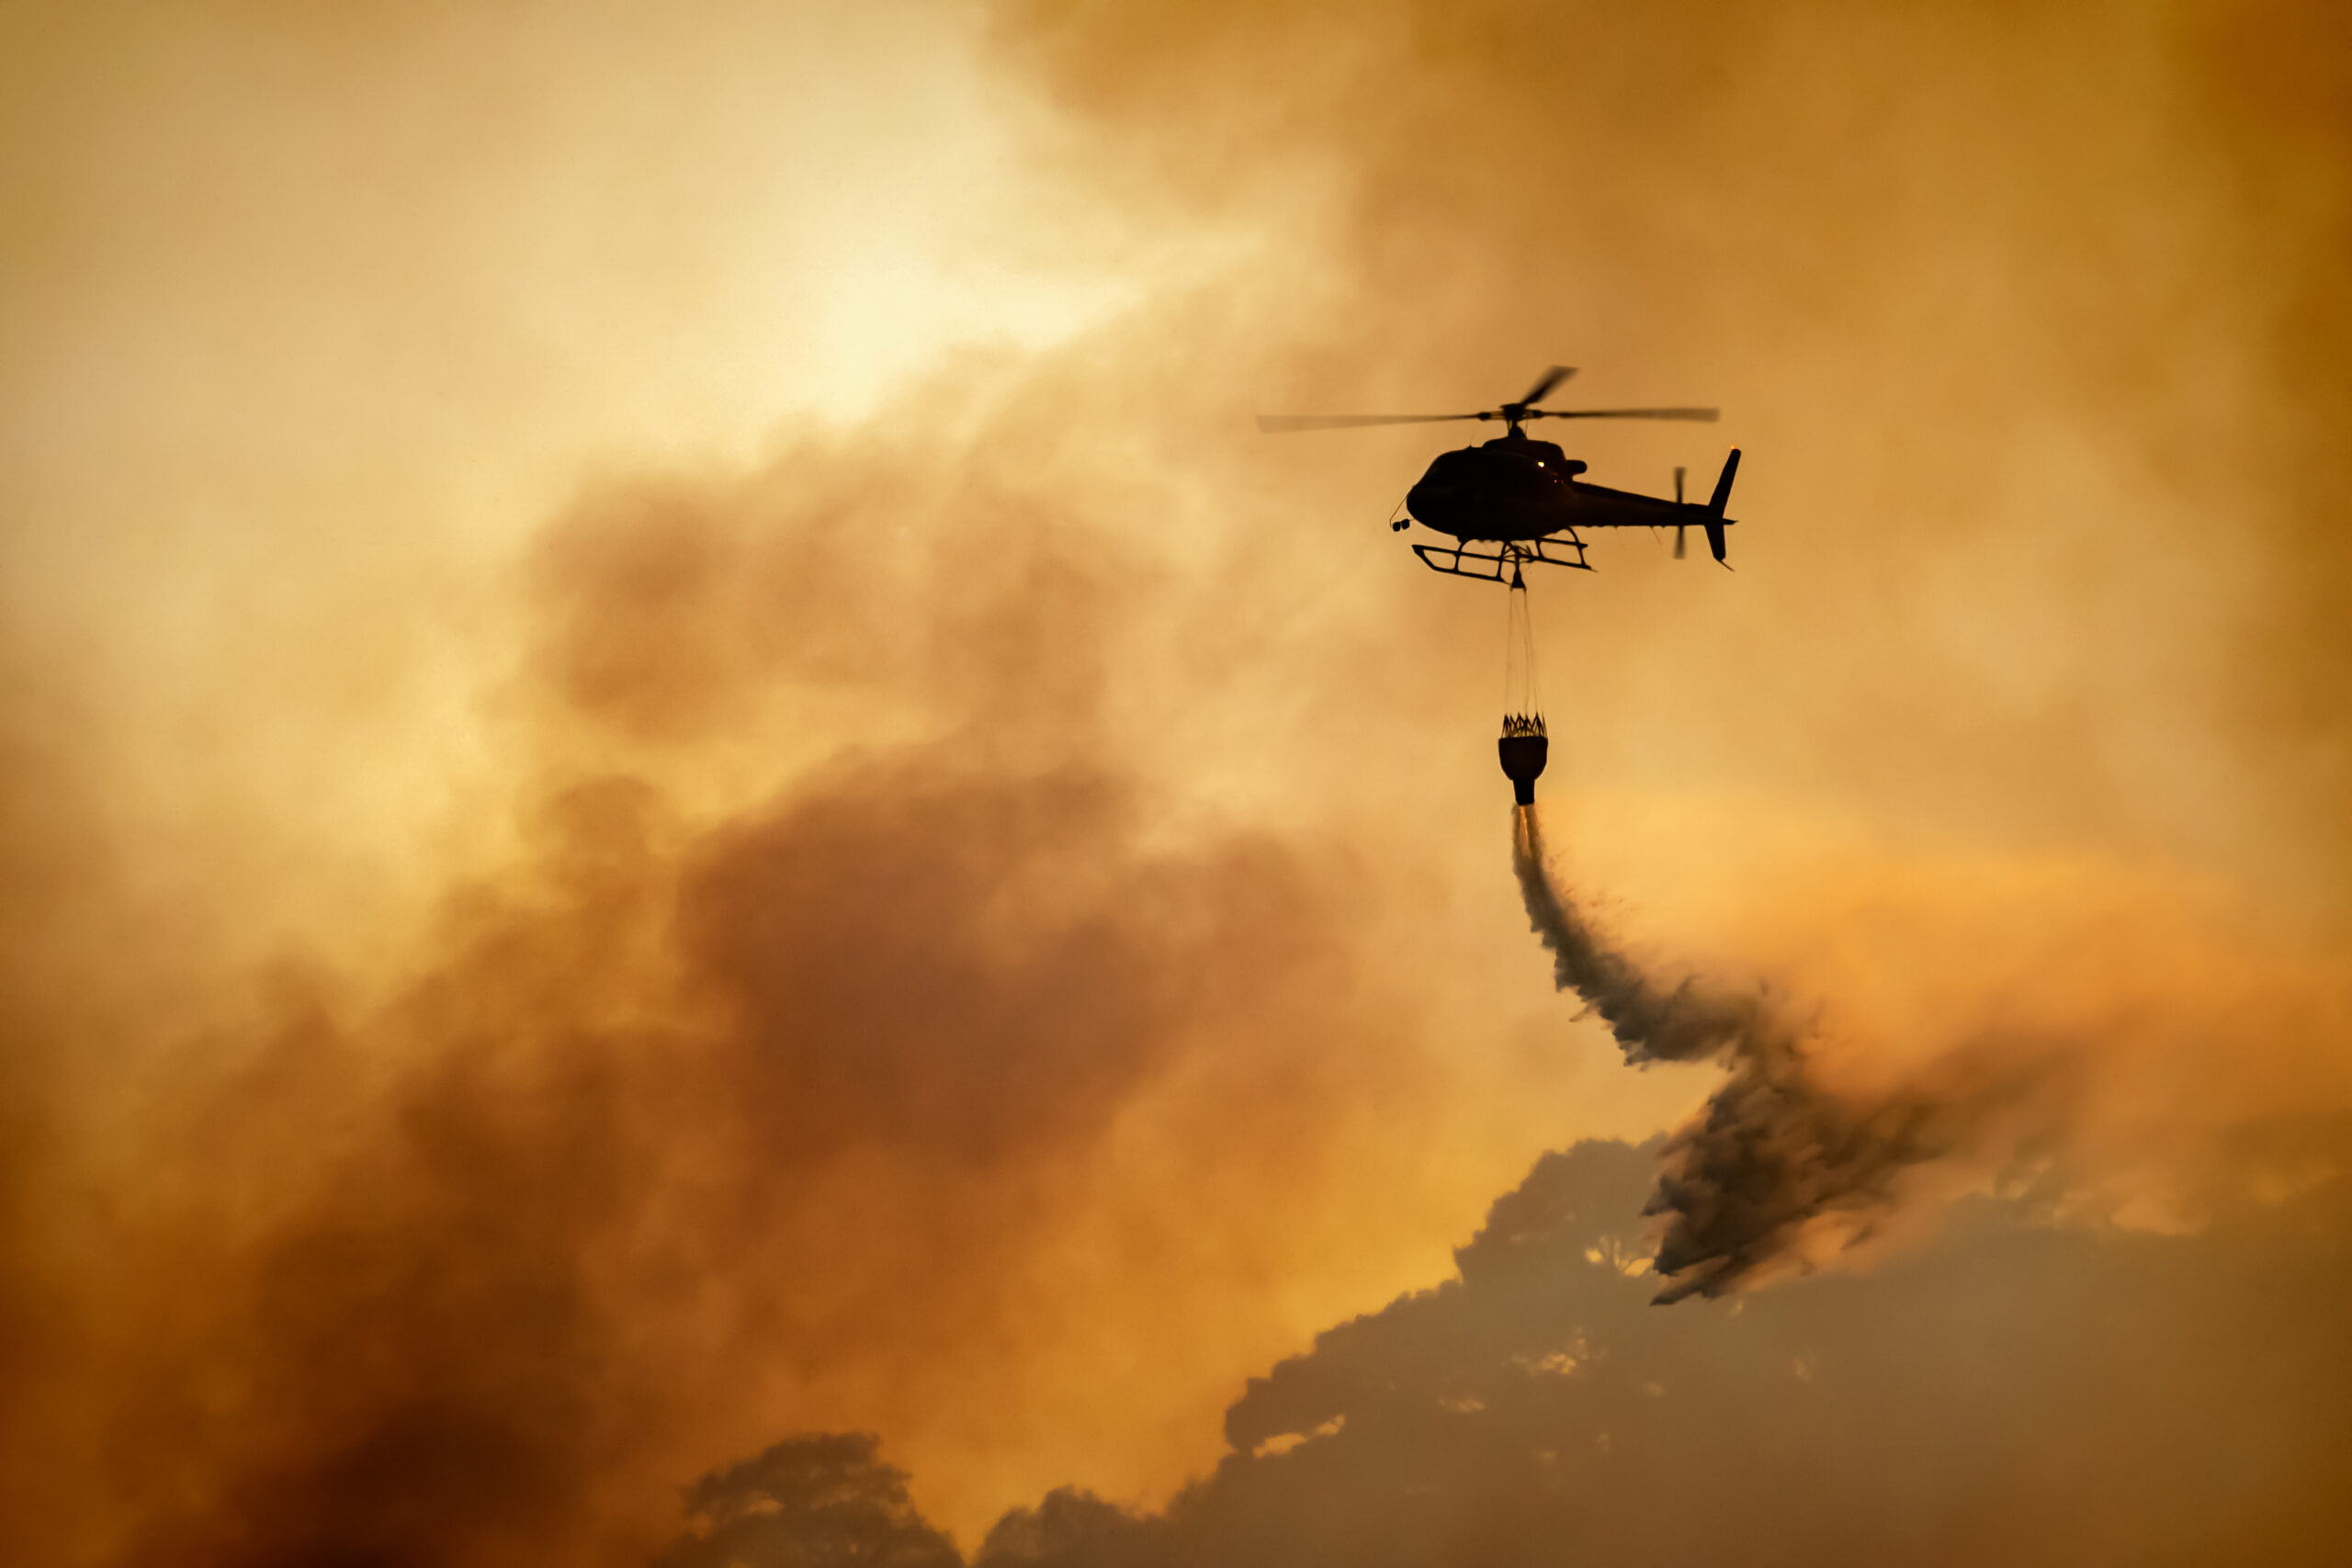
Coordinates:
<point>692,1113</point>
<point>2027,1392</point>
<point>1775,1150</point>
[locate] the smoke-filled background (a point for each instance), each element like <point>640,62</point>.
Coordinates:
<point>677,774</point>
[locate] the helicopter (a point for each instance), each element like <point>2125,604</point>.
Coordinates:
<point>1521,496</point>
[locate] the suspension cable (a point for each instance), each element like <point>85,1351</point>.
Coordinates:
<point>1522,693</point>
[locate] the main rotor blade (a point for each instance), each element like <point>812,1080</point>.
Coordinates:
<point>1552,377</point>
<point>1702,416</point>
<point>1282,423</point>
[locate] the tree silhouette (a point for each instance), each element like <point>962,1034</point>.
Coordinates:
<point>819,1501</point>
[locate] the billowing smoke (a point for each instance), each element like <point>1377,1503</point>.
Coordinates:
<point>1776,1153</point>
<point>691,1117</point>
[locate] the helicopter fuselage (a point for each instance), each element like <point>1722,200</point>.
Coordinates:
<point>1515,489</point>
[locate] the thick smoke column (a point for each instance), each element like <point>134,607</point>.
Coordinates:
<point>1775,1151</point>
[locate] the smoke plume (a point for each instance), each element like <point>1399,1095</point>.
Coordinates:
<point>844,1092</point>
<point>1776,1155</point>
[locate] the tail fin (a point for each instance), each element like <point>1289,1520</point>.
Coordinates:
<point>1722,485</point>
<point>1722,497</point>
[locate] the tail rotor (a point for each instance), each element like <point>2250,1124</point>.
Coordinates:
<point>1680,543</point>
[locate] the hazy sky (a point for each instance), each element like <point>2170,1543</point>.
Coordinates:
<point>678,772</point>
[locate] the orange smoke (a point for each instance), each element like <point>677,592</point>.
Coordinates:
<point>675,773</point>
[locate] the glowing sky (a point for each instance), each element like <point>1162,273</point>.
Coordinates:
<point>679,772</point>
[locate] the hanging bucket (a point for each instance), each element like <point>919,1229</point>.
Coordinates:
<point>1524,750</point>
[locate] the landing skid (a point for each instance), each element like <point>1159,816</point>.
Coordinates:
<point>1501,565</point>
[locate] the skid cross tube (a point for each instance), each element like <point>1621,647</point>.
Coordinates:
<point>1461,560</point>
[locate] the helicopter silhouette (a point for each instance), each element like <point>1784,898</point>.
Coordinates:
<point>1523,496</point>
